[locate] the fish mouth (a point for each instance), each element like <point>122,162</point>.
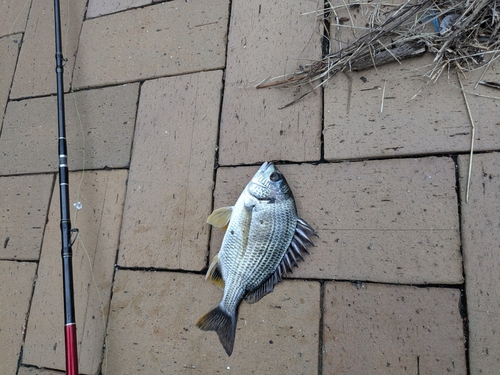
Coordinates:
<point>261,182</point>
<point>266,165</point>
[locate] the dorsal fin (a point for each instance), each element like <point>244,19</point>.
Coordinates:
<point>220,217</point>
<point>299,243</point>
<point>214,274</point>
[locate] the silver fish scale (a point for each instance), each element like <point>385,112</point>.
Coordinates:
<point>247,259</point>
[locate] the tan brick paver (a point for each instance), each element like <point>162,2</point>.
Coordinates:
<point>16,285</point>
<point>414,117</point>
<point>174,37</point>
<point>170,185</point>
<point>35,68</point>
<point>481,246</point>
<point>36,371</point>
<point>13,16</point>
<point>97,8</point>
<point>388,329</point>
<point>24,203</point>
<point>9,49</point>
<point>394,221</point>
<point>151,328</point>
<point>100,122</point>
<point>267,39</point>
<point>435,121</point>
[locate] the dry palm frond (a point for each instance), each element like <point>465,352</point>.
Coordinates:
<point>461,34</point>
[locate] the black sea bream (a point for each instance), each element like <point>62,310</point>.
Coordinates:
<point>264,239</point>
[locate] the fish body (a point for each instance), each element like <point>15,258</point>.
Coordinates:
<point>264,239</point>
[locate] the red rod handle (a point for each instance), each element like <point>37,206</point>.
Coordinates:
<point>71,349</point>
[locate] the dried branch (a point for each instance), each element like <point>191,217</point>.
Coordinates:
<point>464,34</point>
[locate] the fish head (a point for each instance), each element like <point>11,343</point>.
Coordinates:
<point>269,184</point>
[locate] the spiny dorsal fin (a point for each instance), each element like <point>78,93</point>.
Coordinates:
<point>214,274</point>
<point>301,239</point>
<point>220,217</point>
<point>299,243</point>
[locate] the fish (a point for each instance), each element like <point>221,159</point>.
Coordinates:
<point>264,239</point>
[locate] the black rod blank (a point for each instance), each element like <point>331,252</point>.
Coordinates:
<point>66,253</point>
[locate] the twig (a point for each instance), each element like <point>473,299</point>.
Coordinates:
<point>296,100</point>
<point>472,137</point>
<point>495,85</point>
<point>349,90</point>
<point>383,95</point>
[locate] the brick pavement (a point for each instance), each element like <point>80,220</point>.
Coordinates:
<point>165,123</point>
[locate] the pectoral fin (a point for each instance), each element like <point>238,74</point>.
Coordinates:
<point>214,274</point>
<point>220,217</point>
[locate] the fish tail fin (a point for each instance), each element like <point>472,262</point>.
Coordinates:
<point>222,322</point>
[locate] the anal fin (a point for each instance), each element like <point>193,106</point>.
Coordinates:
<point>214,274</point>
<point>265,288</point>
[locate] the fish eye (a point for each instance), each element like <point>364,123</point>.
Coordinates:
<point>275,176</point>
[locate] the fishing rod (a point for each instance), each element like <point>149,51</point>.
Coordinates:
<point>67,253</point>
